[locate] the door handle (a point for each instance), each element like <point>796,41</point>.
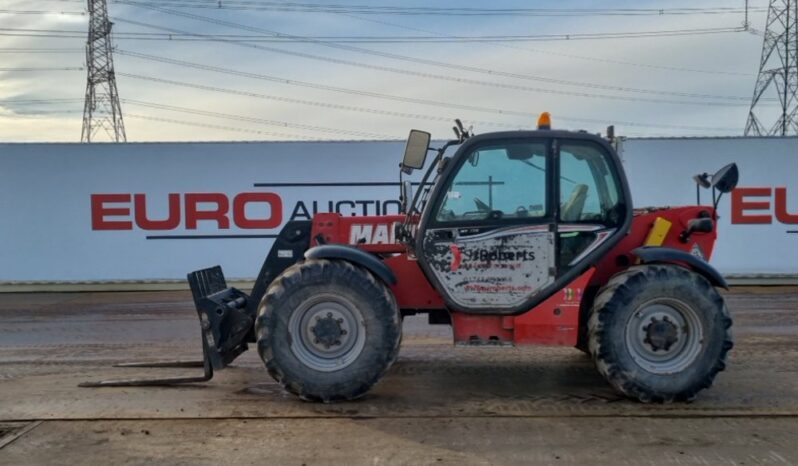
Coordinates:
<point>443,235</point>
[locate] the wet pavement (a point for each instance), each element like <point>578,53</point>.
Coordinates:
<point>439,404</point>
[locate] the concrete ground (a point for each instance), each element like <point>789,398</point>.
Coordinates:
<point>438,405</point>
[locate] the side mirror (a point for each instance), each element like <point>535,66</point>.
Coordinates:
<point>725,180</point>
<point>415,150</point>
<point>407,195</point>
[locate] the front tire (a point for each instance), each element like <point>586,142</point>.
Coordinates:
<point>328,330</point>
<point>659,333</point>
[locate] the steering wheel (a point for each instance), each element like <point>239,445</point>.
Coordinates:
<point>481,205</point>
<point>495,215</point>
<point>446,214</point>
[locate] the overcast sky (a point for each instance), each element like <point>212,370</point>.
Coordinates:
<point>585,84</point>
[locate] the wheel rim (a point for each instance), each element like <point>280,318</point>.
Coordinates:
<point>327,332</point>
<point>664,336</point>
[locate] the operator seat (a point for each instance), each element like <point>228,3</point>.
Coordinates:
<point>571,211</point>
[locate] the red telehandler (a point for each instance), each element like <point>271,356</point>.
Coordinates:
<point>518,238</point>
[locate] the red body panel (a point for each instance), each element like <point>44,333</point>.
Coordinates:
<point>376,235</point>
<point>614,261</point>
<point>412,290</point>
<point>373,234</point>
<point>553,322</point>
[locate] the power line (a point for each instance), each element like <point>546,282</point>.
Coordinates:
<point>562,54</point>
<point>410,100</point>
<point>231,38</point>
<point>574,36</point>
<point>41,12</point>
<point>391,113</point>
<point>45,68</point>
<point>294,82</point>
<point>38,101</point>
<point>206,113</point>
<point>262,121</point>
<point>447,11</point>
<point>187,36</point>
<point>39,50</point>
<point>527,115</point>
<point>470,39</point>
<point>295,136</point>
<point>17,116</point>
<point>288,136</point>
<point>328,105</point>
<point>450,78</point>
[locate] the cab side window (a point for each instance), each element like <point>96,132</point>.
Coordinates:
<point>588,194</point>
<point>588,190</point>
<point>498,182</point>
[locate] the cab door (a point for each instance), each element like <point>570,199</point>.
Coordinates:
<point>489,239</point>
<point>592,205</point>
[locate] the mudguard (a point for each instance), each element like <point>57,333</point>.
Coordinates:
<point>649,254</point>
<point>354,255</point>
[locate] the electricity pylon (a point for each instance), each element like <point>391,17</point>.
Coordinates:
<point>101,111</point>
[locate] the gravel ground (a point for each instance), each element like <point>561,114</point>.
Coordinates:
<point>439,404</point>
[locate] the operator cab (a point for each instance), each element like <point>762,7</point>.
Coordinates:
<point>513,216</point>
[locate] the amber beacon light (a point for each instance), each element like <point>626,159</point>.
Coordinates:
<point>544,121</point>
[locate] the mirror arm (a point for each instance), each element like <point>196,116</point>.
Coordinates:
<point>435,161</point>
<point>715,203</point>
<point>411,208</point>
<point>402,200</point>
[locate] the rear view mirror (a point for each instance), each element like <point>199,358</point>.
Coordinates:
<point>726,178</point>
<point>522,151</point>
<point>518,152</point>
<point>473,159</point>
<point>415,150</point>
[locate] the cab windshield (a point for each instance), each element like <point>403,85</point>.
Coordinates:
<point>506,180</point>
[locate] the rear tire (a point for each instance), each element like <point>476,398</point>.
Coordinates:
<point>328,330</point>
<point>659,333</point>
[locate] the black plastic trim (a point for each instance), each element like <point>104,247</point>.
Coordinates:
<point>650,254</point>
<point>294,237</point>
<point>354,255</point>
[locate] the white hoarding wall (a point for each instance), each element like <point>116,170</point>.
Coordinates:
<point>155,211</point>
<point>758,228</point>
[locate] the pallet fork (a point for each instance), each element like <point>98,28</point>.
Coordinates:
<point>226,327</point>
